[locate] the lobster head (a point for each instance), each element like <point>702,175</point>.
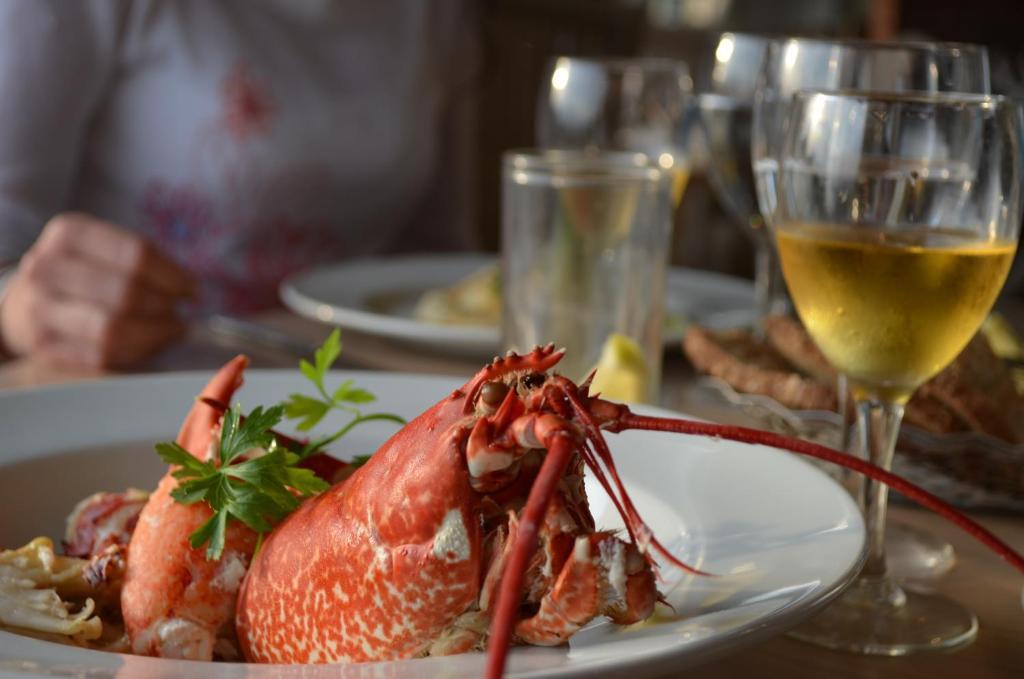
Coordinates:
<point>519,373</point>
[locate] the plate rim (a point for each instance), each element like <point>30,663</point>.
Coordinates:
<point>476,338</point>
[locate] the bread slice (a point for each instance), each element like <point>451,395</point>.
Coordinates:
<point>788,337</point>
<point>753,367</point>
<point>979,388</point>
<point>975,393</point>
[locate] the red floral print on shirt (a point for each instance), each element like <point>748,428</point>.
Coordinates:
<point>181,221</point>
<point>248,106</point>
<point>240,261</point>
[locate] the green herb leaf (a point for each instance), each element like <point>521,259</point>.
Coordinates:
<point>211,532</point>
<point>236,439</point>
<point>310,410</point>
<point>195,490</point>
<point>324,358</point>
<point>305,481</point>
<point>256,510</point>
<point>258,491</point>
<point>311,373</point>
<point>350,394</point>
<point>173,454</point>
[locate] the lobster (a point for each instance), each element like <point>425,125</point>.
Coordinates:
<point>468,528</point>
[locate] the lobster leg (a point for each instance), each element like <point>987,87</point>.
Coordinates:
<point>175,601</point>
<point>754,436</point>
<point>560,452</point>
<point>581,592</point>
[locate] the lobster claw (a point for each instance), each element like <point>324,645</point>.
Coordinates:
<point>175,601</point>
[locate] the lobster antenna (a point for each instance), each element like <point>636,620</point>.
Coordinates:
<point>586,451</point>
<point>588,458</point>
<point>639,527</point>
<point>754,436</point>
<point>510,591</point>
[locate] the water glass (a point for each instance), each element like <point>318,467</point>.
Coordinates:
<point>585,240</point>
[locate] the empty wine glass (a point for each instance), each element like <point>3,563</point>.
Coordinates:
<point>627,104</point>
<point>726,112</point>
<point>792,64</point>
<point>897,221</point>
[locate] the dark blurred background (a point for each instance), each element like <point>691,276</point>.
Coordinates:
<point>520,36</point>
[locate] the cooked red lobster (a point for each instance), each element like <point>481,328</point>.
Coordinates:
<point>467,528</point>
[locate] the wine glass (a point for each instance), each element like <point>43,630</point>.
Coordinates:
<point>726,111</point>
<point>897,220</point>
<point>619,104</point>
<point>792,64</point>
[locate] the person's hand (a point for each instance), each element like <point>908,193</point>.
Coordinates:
<point>90,293</point>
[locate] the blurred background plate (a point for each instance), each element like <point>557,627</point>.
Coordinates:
<point>378,296</point>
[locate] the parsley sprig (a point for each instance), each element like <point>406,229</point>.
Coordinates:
<point>310,410</point>
<point>258,490</point>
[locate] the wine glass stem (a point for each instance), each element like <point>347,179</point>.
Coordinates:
<point>878,424</point>
<point>847,418</point>
<point>769,286</point>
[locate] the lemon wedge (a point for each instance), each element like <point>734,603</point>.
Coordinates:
<point>622,372</point>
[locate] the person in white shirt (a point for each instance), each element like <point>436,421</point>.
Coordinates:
<point>155,152</point>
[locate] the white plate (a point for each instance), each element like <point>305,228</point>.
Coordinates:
<point>782,537</point>
<point>377,296</point>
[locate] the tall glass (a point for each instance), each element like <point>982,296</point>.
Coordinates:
<point>726,113</point>
<point>620,104</point>
<point>898,218</point>
<point>584,254</point>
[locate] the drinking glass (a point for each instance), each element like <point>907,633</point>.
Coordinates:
<point>584,255</point>
<point>726,112</point>
<point>897,220</point>
<point>628,104</point>
<point>792,64</point>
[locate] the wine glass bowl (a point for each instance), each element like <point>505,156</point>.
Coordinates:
<point>794,64</point>
<point>897,221</point>
<point>726,111</point>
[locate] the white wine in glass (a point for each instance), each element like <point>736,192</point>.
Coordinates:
<point>897,221</point>
<point>869,297</point>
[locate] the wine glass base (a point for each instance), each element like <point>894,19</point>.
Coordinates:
<point>915,554</point>
<point>878,617</point>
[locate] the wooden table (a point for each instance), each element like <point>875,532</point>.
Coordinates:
<point>982,581</point>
